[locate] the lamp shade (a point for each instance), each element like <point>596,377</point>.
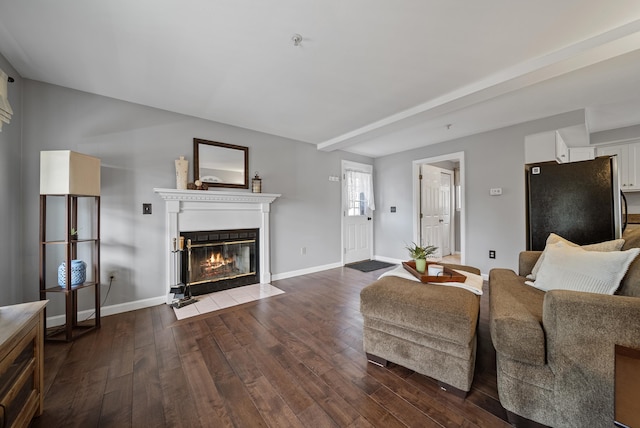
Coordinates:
<point>63,172</point>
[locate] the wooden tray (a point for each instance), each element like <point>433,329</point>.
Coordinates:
<point>447,276</point>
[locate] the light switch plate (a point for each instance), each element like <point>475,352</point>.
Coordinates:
<point>146,208</point>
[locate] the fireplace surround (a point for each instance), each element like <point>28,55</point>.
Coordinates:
<point>197,210</point>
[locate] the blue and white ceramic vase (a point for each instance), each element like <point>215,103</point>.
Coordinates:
<point>78,273</point>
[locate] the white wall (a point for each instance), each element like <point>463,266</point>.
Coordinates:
<point>137,146</point>
<point>11,238</point>
<point>492,159</point>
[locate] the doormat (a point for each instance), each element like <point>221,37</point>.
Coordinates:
<point>369,265</point>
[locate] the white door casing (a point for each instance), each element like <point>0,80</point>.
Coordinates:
<point>459,209</point>
<point>357,216</point>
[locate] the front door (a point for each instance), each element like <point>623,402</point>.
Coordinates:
<point>357,211</point>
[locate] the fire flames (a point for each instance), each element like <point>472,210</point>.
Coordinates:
<point>214,267</point>
<point>216,261</point>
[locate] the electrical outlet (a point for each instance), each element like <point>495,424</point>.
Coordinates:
<point>112,276</point>
<point>492,254</point>
<point>496,191</point>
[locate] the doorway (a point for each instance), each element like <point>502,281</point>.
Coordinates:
<point>357,212</point>
<point>438,204</point>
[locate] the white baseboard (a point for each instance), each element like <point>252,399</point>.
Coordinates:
<point>315,269</point>
<point>154,301</point>
<point>110,310</point>
<point>306,271</point>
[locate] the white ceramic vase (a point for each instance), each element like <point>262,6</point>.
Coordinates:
<point>182,169</point>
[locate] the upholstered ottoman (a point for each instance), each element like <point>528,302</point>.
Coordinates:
<point>428,328</point>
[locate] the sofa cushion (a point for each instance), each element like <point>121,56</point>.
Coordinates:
<point>516,317</point>
<point>630,285</point>
<point>614,245</point>
<point>573,268</point>
<point>527,261</point>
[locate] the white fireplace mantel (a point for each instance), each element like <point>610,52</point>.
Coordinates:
<point>194,210</point>
<point>216,196</point>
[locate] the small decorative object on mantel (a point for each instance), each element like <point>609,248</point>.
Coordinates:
<point>256,184</point>
<point>198,185</point>
<point>419,254</point>
<point>182,170</point>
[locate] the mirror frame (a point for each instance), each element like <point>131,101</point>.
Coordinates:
<point>223,146</point>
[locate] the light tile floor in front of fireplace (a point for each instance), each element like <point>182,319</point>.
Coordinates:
<point>227,298</point>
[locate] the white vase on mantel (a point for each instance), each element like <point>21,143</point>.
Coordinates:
<point>182,169</point>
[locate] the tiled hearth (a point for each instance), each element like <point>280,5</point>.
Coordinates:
<point>224,299</point>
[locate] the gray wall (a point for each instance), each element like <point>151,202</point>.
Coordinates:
<point>11,195</point>
<point>492,159</point>
<point>137,146</point>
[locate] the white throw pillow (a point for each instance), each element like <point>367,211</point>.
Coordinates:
<point>614,245</point>
<point>573,268</point>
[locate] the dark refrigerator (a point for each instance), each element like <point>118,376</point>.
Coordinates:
<point>580,201</point>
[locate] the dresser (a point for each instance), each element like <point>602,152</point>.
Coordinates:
<point>21,363</point>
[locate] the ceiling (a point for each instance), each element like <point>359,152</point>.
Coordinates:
<point>371,77</point>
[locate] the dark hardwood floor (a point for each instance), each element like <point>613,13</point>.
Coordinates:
<point>295,359</point>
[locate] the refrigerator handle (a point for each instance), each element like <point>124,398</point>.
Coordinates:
<point>624,215</point>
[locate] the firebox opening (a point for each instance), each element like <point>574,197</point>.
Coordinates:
<point>219,260</point>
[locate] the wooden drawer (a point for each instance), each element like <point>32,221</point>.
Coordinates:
<point>20,366</point>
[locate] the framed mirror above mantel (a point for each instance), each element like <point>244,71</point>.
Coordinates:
<point>220,164</point>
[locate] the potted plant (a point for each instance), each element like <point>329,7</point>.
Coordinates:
<point>420,253</point>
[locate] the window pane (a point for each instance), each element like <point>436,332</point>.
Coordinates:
<point>358,184</point>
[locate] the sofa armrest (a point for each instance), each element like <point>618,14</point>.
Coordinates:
<point>582,329</point>
<point>527,260</point>
<point>516,318</point>
<point>577,322</point>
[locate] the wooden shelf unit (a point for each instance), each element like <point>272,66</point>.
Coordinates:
<point>71,328</point>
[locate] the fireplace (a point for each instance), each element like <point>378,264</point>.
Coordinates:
<point>216,260</point>
<point>197,210</point>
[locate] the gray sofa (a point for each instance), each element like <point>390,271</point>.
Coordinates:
<point>555,350</point>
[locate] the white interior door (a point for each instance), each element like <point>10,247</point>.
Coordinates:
<point>446,184</point>
<point>357,211</point>
<point>435,208</point>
